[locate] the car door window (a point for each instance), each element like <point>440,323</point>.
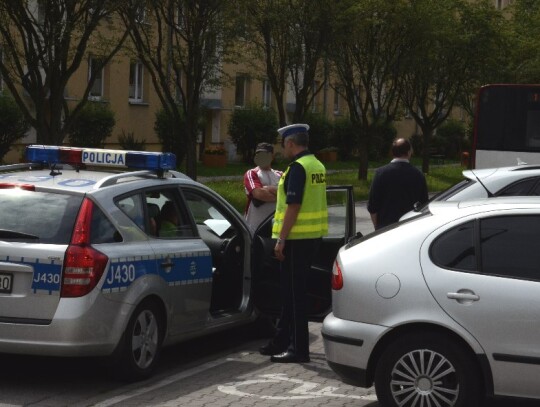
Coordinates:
<point>167,217</point>
<point>226,241</point>
<point>455,249</point>
<point>520,188</point>
<point>132,206</point>
<point>337,213</point>
<point>509,246</point>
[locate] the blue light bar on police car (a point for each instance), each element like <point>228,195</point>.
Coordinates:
<point>101,157</point>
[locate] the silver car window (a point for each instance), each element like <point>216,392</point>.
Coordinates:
<point>509,246</point>
<point>455,249</point>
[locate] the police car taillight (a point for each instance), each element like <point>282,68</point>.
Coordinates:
<point>142,160</point>
<point>83,265</point>
<point>337,277</point>
<point>16,185</point>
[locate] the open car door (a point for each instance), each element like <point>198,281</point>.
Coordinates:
<point>265,275</point>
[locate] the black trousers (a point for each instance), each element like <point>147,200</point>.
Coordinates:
<point>292,330</point>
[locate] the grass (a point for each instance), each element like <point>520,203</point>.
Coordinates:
<point>340,173</point>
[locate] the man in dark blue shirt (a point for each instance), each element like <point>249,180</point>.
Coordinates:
<point>396,187</point>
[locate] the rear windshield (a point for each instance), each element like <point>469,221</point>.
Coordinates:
<point>37,217</point>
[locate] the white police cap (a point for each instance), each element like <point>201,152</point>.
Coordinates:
<point>293,129</point>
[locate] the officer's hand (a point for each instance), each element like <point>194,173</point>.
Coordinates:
<point>278,251</point>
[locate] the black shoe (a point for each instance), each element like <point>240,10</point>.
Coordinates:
<point>270,349</point>
<point>289,357</point>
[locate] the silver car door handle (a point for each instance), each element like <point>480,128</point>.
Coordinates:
<point>463,296</point>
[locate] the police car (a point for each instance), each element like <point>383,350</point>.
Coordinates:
<point>98,260</point>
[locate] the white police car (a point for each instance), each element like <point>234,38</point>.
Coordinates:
<point>95,262</point>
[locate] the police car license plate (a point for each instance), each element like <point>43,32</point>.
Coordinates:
<point>6,281</point>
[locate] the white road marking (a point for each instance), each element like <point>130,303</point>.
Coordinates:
<point>162,383</point>
<point>304,390</point>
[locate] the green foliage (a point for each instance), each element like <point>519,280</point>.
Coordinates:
<point>320,131</point>
<point>439,179</point>
<point>345,138</point>
<point>451,138</point>
<point>171,134</point>
<point>93,125</point>
<point>13,124</point>
<point>381,137</point>
<point>129,142</point>
<point>250,126</point>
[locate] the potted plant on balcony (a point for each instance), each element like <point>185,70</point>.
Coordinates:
<point>215,156</point>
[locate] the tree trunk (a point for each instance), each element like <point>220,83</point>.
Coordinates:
<point>426,137</point>
<point>363,159</point>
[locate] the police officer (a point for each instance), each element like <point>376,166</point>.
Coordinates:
<point>300,220</point>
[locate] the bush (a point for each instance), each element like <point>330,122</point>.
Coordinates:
<point>345,138</point>
<point>320,132</point>
<point>382,135</point>
<point>171,134</point>
<point>93,125</point>
<point>13,124</point>
<point>451,138</point>
<point>129,142</point>
<point>250,126</point>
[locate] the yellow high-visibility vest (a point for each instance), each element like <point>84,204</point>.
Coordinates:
<point>312,221</point>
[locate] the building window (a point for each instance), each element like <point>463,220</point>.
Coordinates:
<point>136,82</point>
<point>41,10</point>
<point>180,17</point>
<point>337,106</point>
<point>267,94</point>
<point>499,4</point>
<point>94,71</point>
<point>240,91</point>
<point>140,13</point>
<point>314,105</point>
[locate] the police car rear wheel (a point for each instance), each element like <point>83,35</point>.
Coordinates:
<point>142,342</point>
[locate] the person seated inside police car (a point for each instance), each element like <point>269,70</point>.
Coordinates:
<point>168,220</point>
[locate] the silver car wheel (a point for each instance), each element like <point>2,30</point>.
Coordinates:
<point>145,339</point>
<point>424,377</point>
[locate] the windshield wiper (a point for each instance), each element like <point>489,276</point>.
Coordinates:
<point>12,234</point>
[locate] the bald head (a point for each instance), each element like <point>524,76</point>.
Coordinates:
<point>401,148</point>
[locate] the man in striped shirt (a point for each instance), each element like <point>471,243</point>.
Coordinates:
<point>260,184</point>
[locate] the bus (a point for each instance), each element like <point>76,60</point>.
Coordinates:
<point>506,126</point>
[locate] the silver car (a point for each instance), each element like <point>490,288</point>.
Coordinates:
<point>443,310</point>
<point>96,262</point>
<point>520,180</point>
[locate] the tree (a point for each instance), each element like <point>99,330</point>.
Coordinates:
<point>93,125</point>
<point>489,62</point>
<point>291,37</point>
<point>44,43</point>
<point>251,126</point>
<point>524,62</point>
<point>445,49</point>
<point>13,124</point>
<point>183,51</point>
<point>368,58</point>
